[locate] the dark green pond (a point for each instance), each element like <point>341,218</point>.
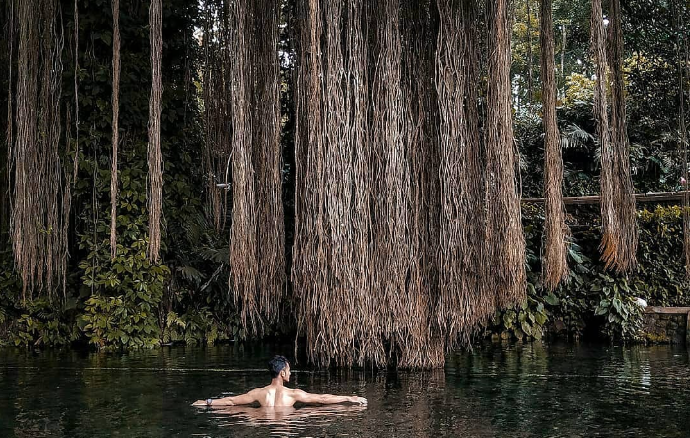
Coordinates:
<point>528,390</point>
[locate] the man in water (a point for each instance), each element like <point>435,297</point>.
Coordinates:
<point>277,395</point>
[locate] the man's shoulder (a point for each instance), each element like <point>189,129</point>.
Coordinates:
<point>294,391</point>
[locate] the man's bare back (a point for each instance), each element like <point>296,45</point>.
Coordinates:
<point>277,395</point>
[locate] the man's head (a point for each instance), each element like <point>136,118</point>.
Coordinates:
<point>279,366</point>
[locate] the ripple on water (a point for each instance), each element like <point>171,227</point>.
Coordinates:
<point>530,390</point>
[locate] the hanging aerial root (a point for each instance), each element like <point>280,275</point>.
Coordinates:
<point>115,124</point>
<point>155,158</point>
<point>216,103</point>
<point>7,13</point>
<point>37,224</point>
<point>618,216</point>
<point>683,66</point>
<point>463,302</point>
<point>555,266</point>
<point>243,240</point>
<point>504,238</point>
<point>266,126</point>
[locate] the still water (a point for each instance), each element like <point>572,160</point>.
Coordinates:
<point>531,390</point>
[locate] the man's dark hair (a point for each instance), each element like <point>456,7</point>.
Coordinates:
<point>276,365</point>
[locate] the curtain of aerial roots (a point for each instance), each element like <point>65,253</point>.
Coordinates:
<point>332,264</point>
<point>155,159</point>
<point>504,239</point>
<point>216,98</point>
<point>269,225</point>
<point>391,182</point>
<point>464,301</point>
<point>116,112</point>
<point>619,241</point>
<point>419,342</point>
<point>38,228</point>
<point>555,262</point>
<point>257,260</point>
<point>310,246</point>
<point>389,256</point>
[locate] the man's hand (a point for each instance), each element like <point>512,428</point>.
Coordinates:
<point>200,403</point>
<point>359,400</point>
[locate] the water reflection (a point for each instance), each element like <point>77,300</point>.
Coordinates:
<point>530,390</point>
<point>283,421</point>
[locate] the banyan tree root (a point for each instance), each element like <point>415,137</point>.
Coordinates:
<point>555,267</point>
<point>504,239</point>
<point>115,138</point>
<point>309,270</point>
<point>155,158</point>
<point>7,15</point>
<point>463,301</point>
<point>391,251</point>
<point>38,230</point>
<point>257,255</point>
<point>683,69</point>
<point>266,126</point>
<point>619,241</point>
<point>243,240</point>
<point>390,180</point>
<point>216,97</point>
<point>418,342</point>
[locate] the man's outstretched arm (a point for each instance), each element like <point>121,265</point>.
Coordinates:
<point>244,399</point>
<point>326,399</point>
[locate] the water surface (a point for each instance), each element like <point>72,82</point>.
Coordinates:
<point>530,390</point>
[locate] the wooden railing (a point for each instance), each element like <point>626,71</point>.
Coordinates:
<point>639,197</point>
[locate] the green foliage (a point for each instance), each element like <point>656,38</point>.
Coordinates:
<point>127,315</point>
<point>579,91</point>
<point>119,322</point>
<point>622,316</point>
<point>523,322</point>
<point>199,326</point>
<point>661,278</point>
<point>38,323</point>
<point>594,301</point>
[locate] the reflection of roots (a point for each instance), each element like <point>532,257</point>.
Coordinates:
<point>284,421</point>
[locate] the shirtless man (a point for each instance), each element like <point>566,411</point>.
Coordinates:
<point>277,395</point>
